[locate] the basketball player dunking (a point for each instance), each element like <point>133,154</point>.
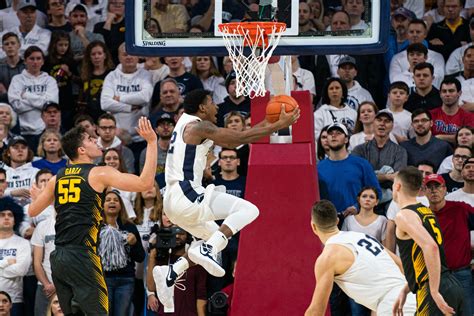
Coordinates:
<point>77,192</point>
<point>359,265</point>
<point>195,208</point>
<point>420,241</point>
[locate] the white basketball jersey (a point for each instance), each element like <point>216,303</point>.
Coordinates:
<point>186,162</point>
<point>373,273</point>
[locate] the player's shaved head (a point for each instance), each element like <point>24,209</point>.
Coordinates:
<point>410,179</point>
<point>324,216</point>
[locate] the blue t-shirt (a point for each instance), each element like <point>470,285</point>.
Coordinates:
<point>234,187</point>
<point>341,180</point>
<point>53,166</point>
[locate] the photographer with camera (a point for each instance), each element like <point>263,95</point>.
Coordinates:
<point>167,244</point>
<point>119,248</point>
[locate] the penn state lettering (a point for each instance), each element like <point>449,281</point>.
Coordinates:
<point>130,88</point>
<point>36,88</point>
<point>7,253</point>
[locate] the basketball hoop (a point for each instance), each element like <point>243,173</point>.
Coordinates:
<point>261,38</point>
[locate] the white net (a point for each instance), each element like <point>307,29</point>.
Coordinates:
<point>250,70</point>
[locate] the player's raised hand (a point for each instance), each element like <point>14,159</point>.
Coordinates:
<point>145,130</point>
<point>35,191</point>
<point>441,303</point>
<point>288,118</point>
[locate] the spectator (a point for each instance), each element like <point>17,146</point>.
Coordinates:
<point>60,65</point>
<point>304,21</point>
<point>51,151</point>
<point>417,32</point>
<point>20,173</point>
<point>12,65</point>
<point>43,244</point>
<point>424,95</point>
<point>87,122</point>
<point>6,304</point>
<point>172,17</point>
<point>54,309</point>
<point>148,208</point>
<point>29,33</point>
<point>464,136</point>
<point>107,130</point>
<point>454,64</point>
<point>466,193</point>
<point>466,77</point>
<point>416,53</point>
<point>3,137</point>
<point>448,118</point>
<point>158,70</point>
<point>80,36</point>
<point>434,15</point>
<point>322,146</point>
<point>112,158</point>
<point>229,176</point>
<point>164,129</point>
<point>454,179</point>
<point>385,157</point>
<point>3,182</point>
<point>355,9</point>
<point>356,94</point>
<point>334,108</point>
<point>397,96</point>
<point>96,65</point>
<point>51,116</point>
<point>452,32</point>
<point>424,146</point>
<point>57,20</point>
<point>335,172</point>
<point>16,254</point>
<point>453,219</point>
<point>113,29</point>
<point>9,118</point>
<point>303,77</point>
<point>170,100</point>
<point>232,103</point>
<point>236,121</point>
<point>401,18</point>
<point>186,82</point>
<point>29,91</point>
<point>119,249</point>
<point>204,68</point>
<point>126,94</point>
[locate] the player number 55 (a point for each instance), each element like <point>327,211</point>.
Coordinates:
<point>69,190</point>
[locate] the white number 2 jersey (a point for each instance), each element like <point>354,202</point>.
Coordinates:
<point>186,163</point>
<point>373,273</point>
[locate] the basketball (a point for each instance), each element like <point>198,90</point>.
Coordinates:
<point>274,106</point>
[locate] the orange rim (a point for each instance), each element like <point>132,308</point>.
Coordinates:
<point>254,29</point>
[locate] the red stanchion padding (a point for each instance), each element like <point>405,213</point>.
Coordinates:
<point>275,266</point>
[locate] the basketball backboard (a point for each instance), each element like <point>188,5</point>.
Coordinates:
<point>371,37</point>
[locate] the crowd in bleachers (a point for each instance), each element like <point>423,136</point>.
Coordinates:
<point>64,63</point>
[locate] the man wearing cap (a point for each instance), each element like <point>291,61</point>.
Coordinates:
<point>80,37</point>
<point>28,31</point>
<point>386,157</point>
<point>51,116</point>
<point>453,219</point>
<point>106,129</point>
<point>401,18</point>
<point>416,34</point>
<point>232,102</point>
<point>356,94</point>
<point>449,34</point>
<point>342,175</point>
<point>15,254</point>
<point>164,128</point>
<point>20,173</point>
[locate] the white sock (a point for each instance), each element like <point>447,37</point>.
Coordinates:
<point>180,265</point>
<point>218,241</point>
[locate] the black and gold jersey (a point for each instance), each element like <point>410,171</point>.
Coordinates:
<point>411,254</point>
<point>78,207</point>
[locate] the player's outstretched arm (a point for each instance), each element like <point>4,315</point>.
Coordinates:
<point>129,182</point>
<point>324,273</point>
<point>41,198</point>
<point>409,223</point>
<point>230,138</point>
